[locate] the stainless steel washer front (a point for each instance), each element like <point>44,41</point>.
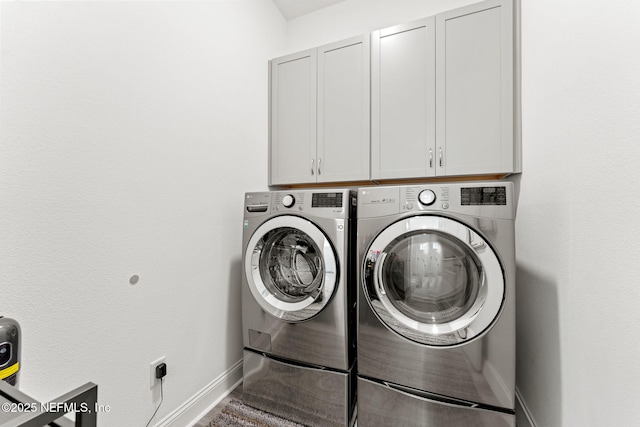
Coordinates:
<point>298,304</point>
<point>290,268</point>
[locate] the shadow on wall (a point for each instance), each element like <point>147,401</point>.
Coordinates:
<point>538,379</point>
<point>234,321</point>
<point>515,179</point>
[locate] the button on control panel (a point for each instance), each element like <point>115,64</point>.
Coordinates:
<point>423,198</point>
<point>427,197</point>
<point>288,201</point>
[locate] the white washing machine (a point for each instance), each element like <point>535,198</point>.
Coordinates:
<point>298,305</point>
<point>436,305</point>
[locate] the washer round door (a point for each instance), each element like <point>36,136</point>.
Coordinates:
<point>434,280</point>
<point>291,268</point>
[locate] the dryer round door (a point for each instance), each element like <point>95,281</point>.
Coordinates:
<point>434,280</point>
<point>291,268</point>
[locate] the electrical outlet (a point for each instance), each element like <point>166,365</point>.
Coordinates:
<point>152,371</point>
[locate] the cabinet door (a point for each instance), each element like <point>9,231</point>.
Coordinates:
<point>343,111</point>
<point>293,118</point>
<point>403,101</point>
<point>475,107</point>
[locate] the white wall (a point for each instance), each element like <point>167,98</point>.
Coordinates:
<point>579,299</point>
<point>129,133</point>
<point>353,17</point>
<point>579,218</point>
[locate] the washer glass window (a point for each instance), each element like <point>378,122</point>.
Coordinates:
<point>291,268</point>
<point>291,264</point>
<point>430,277</point>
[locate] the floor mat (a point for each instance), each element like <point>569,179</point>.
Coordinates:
<point>237,414</point>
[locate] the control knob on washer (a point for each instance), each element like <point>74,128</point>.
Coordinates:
<point>288,201</point>
<point>427,197</point>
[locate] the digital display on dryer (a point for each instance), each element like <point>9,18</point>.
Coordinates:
<point>326,200</point>
<point>483,196</point>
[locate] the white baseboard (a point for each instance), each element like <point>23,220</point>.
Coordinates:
<point>192,411</point>
<point>523,415</point>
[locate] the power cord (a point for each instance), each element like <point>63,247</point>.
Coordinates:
<point>161,399</point>
<point>161,371</point>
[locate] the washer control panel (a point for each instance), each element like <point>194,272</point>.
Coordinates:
<point>323,203</point>
<point>311,204</point>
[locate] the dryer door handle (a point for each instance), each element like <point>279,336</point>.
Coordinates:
<point>475,244</point>
<point>378,278</point>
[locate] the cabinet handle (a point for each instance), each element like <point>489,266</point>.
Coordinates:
<point>312,163</point>
<point>440,149</point>
<point>430,158</point>
<point>319,166</point>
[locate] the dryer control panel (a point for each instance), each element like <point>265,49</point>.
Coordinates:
<point>481,199</point>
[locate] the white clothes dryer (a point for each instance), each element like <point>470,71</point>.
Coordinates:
<point>436,305</point>
<point>298,305</point>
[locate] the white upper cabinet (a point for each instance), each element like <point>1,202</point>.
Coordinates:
<point>435,97</point>
<point>320,114</point>
<point>293,118</point>
<point>403,101</point>
<point>343,111</point>
<point>475,90</point>
<point>442,99</point>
